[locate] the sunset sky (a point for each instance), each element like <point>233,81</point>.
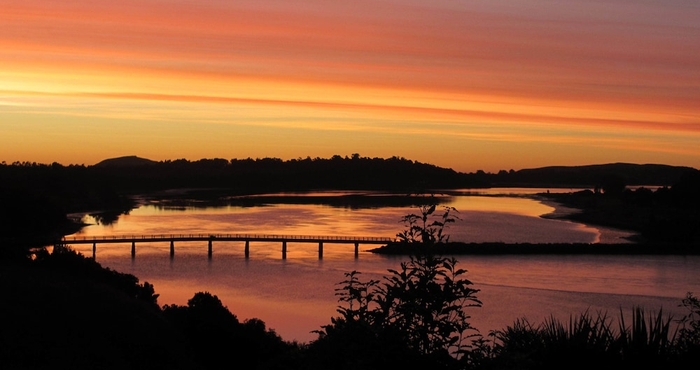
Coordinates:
<point>466,84</point>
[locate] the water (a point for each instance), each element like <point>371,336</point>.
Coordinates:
<point>296,296</point>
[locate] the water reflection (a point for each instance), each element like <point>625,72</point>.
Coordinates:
<point>296,295</point>
<point>483,219</point>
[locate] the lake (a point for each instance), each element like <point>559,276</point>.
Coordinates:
<point>296,295</point>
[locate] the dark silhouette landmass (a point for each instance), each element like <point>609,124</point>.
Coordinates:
<point>62,310</point>
<point>498,248</point>
<point>599,175</point>
<point>267,175</point>
<point>263,175</point>
<point>669,214</point>
<point>127,161</point>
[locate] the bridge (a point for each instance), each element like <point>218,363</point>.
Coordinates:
<point>210,238</point>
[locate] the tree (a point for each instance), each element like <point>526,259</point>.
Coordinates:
<point>217,336</point>
<point>417,312</point>
<point>612,185</point>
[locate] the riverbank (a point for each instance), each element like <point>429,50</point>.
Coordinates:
<point>607,234</point>
<point>457,248</point>
<point>667,214</point>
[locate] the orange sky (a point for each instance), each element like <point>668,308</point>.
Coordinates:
<point>470,84</point>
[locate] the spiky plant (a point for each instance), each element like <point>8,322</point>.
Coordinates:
<point>648,340</point>
<point>584,333</point>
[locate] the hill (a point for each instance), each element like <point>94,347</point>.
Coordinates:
<point>345,173</point>
<point>594,175</point>
<point>127,161</point>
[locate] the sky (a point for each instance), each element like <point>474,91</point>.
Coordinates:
<point>466,84</point>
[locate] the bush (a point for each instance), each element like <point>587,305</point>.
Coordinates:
<point>416,315</point>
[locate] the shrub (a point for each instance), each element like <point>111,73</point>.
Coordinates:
<point>417,313</point>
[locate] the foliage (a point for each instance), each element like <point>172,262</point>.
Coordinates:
<point>217,337</point>
<point>425,301</point>
<point>63,310</point>
<point>70,262</point>
<point>517,346</point>
<point>688,340</point>
<point>427,227</point>
<point>647,340</point>
<point>552,344</point>
<point>418,310</point>
<point>585,338</point>
<point>587,341</point>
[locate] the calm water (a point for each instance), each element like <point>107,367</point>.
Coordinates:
<point>296,295</point>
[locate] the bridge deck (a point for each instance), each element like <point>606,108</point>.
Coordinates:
<point>226,237</point>
<point>210,238</point>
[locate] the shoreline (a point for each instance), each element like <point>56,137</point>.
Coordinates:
<point>606,234</point>
<point>610,241</point>
<point>460,248</point>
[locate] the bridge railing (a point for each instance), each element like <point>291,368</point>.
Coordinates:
<point>172,238</point>
<point>226,236</point>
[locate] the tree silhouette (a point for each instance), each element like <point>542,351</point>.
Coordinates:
<point>417,312</point>
<point>217,337</point>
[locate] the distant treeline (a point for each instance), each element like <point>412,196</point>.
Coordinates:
<point>264,175</point>
<point>243,176</point>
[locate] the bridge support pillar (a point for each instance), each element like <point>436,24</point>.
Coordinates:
<point>172,248</point>
<point>133,249</point>
<point>94,250</point>
<point>320,250</point>
<point>357,249</point>
<point>247,249</point>
<point>284,250</point>
<point>209,249</point>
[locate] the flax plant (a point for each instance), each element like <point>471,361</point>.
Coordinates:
<point>648,340</point>
<point>585,335</point>
<point>586,340</point>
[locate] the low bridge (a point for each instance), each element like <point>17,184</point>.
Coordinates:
<point>210,238</point>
